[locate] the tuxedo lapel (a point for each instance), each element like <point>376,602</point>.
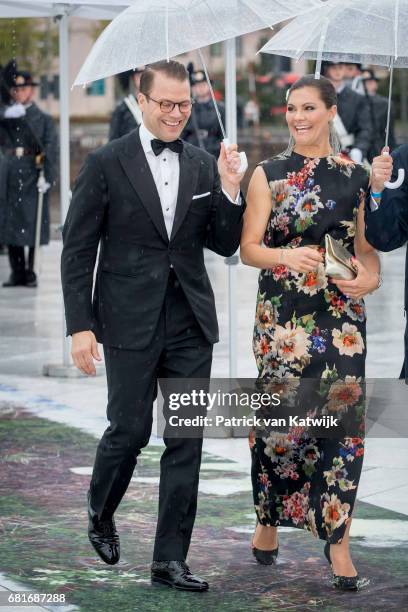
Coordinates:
<point>189,171</point>
<point>136,167</point>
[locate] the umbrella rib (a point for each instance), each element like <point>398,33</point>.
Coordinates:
<point>253,10</point>
<point>364,12</point>
<point>331,12</point>
<point>210,8</point>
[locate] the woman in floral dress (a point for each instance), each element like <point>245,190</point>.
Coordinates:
<point>309,326</point>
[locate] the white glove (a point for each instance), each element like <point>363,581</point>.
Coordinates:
<point>356,155</point>
<point>15,111</point>
<point>42,184</point>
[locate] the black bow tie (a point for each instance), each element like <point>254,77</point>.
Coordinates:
<point>159,145</point>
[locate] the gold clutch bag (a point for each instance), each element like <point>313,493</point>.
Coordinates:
<point>338,262</point>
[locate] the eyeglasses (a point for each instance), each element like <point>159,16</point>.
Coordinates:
<point>166,106</point>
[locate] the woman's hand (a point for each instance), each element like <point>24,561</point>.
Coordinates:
<point>301,259</point>
<point>365,282</point>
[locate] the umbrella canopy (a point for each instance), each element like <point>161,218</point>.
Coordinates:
<point>152,30</point>
<point>364,31</point>
<point>87,9</point>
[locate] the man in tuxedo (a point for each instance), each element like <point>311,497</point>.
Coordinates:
<point>386,215</point>
<point>152,202</point>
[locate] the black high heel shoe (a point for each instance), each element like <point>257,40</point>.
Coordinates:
<point>345,583</point>
<point>264,557</point>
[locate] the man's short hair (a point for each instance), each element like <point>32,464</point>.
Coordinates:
<point>172,69</point>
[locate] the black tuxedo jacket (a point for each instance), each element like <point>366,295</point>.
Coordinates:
<point>387,227</point>
<point>115,204</point>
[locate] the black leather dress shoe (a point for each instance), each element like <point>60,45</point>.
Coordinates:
<point>31,279</point>
<point>176,574</point>
<point>103,536</point>
<point>16,279</point>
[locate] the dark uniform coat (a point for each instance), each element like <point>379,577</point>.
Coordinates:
<point>204,120</point>
<point>379,111</point>
<point>355,114</point>
<point>18,204</point>
<point>122,121</point>
<point>387,227</point>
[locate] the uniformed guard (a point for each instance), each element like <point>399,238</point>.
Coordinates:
<point>203,129</point>
<point>379,115</point>
<point>127,115</point>
<point>28,144</point>
<point>352,121</point>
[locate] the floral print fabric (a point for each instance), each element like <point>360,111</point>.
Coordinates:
<point>306,328</point>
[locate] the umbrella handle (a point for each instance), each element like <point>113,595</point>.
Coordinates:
<point>400,179</point>
<point>398,182</point>
<point>242,155</point>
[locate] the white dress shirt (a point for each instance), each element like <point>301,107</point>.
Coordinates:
<point>165,169</point>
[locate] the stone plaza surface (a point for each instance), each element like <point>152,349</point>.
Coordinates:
<point>31,331</point>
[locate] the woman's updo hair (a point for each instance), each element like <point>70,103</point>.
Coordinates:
<point>328,96</point>
<point>327,92</point>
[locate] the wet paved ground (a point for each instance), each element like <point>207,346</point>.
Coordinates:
<point>31,331</point>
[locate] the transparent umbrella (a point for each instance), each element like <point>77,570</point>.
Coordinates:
<point>365,31</point>
<point>152,30</point>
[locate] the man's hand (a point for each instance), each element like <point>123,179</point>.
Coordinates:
<point>228,165</point>
<point>381,171</point>
<point>15,111</point>
<point>84,350</point>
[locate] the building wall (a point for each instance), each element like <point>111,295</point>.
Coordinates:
<point>84,104</point>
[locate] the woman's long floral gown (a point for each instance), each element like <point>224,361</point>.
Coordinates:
<point>305,328</point>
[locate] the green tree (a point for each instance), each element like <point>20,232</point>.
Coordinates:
<point>32,42</point>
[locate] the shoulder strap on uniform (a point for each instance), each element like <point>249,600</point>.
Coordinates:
<point>133,106</point>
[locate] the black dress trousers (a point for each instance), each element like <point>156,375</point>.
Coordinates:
<point>178,350</point>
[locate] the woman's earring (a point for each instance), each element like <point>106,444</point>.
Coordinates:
<point>334,139</point>
<point>291,145</point>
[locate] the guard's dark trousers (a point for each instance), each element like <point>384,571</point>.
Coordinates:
<point>18,263</point>
<point>178,350</point>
